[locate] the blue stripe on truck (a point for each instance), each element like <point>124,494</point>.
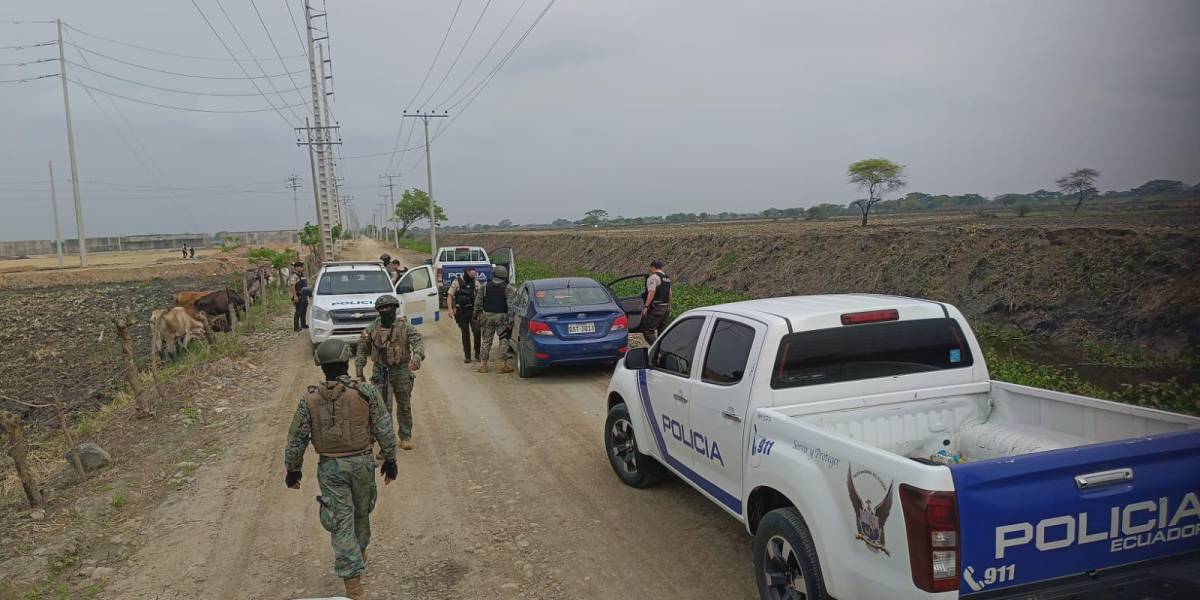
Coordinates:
<point>711,488</point>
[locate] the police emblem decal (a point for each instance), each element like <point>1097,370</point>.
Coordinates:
<point>870,518</point>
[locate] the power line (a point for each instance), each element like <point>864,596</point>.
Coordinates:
<point>178,74</point>
<point>502,61</point>
<point>163,52</point>
<point>183,108</point>
<point>27,46</point>
<point>296,28</point>
<point>28,62</point>
<point>454,63</point>
<point>278,55</point>
<point>29,78</point>
<point>485,56</point>
<point>165,89</point>
<point>29,22</point>
<point>254,58</point>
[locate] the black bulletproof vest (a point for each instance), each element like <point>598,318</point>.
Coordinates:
<point>494,300</point>
<point>662,294</point>
<point>464,298</point>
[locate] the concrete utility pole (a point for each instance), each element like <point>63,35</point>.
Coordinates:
<point>391,196</point>
<point>321,177</point>
<point>294,183</point>
<point>54,205</point>
<point>312,165</point>
<point>429,177</point>
<point>62,74</point>
<point>332,191</point>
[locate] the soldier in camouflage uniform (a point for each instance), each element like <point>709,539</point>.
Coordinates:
<point>343,419</point>
<point>396,349</point>
<point>491,309</point>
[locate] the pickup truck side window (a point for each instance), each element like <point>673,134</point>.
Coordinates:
<point>854,352</point>
<point>677,348</point>
<point>728,351</point>
<point>420,279</point>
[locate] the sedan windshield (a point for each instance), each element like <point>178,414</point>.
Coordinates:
<point>579,296</point>
<point>354,282</point>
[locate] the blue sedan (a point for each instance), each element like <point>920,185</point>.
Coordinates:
<point>567,321</point>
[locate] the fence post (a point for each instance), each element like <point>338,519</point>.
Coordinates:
<point>10,425</point>
<point>141,396</point>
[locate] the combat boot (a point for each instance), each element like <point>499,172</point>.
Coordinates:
<point>483,367</point>
<point>406,445</point>
<point>354,589</point>
<point>504,368</point>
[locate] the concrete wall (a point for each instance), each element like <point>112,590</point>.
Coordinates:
<point>250,238</point>
<point>147,242</point>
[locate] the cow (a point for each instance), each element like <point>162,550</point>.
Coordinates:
<point>218,303</point>
<point>169,327</point>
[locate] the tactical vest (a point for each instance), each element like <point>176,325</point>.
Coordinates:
<point>464,298</point>
<point>494,298</point>
<point>662,294</point>
<point>389,346</point>
<point>341,419</point>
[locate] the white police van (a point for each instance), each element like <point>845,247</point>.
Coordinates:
<point>344,294</point>
<point>861,441</point>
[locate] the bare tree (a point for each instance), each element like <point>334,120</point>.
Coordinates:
<point>18,449</point>
<point>877,176</point>
<point>1079,183</point>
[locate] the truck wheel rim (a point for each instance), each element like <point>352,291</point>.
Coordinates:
<point>624,451</point>
<point>781,567</point>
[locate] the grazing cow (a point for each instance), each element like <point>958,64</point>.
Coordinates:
<point>218,303</point>
<point>169,327</point>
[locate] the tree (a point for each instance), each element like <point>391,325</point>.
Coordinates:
<point>336,231</point>
<point>504,224</point>
<point>310,236</point>
<point>1160,187</point>
<point>595,216</point>
<point>876,176</point>
<point>413,207</point>
<point>1079,183</point>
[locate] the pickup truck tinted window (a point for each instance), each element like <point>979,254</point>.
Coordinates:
<point>354,282</point>
<point>677,348</point>
<point>467,255</point>
<point>728,351</point>
<point>855,352</point>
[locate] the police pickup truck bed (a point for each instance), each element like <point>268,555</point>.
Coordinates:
<point>860,439</point>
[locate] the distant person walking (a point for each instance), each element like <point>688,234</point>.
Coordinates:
<point>657,302</point>
<point>192,252</point>
<point>184,250</point>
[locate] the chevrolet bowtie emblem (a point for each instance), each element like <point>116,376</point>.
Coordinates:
<point>356,316</point>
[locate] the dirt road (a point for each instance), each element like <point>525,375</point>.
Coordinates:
<point>507,495</point>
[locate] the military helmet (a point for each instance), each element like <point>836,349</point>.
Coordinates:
<point>386,301</point>
<point>332,351</point>
<point>386,258</point>
<point>500,272</point>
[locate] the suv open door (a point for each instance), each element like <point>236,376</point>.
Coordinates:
<point>632,305</point>
<point>504,256</point>
<point>418,295</point>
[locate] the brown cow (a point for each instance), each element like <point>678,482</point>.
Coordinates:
<point>168,327</point>
<point>218,303</point>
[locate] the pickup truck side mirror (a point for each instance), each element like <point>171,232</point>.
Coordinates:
<point>637,358</point>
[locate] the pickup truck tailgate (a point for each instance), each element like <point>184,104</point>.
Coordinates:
<point>1048,515</point>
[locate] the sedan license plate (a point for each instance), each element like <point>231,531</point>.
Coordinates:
<point>574,328</point>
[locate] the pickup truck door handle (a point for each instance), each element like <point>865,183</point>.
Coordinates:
<point>680,397</point>
<point>732,416</point>
<point>1091,481</point>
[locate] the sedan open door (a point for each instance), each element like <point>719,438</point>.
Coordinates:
<point>504,256</point>
<point>631,304</point>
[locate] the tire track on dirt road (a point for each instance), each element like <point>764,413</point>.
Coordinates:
<point>508,494</point>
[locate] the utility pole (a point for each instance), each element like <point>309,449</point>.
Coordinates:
<point>391,196</point>
<point>294,183</point>
<point>332,191</point>
<point>429,177</point>
<point>320,177</point>
<point>54,205</point>
<point>62,74</point>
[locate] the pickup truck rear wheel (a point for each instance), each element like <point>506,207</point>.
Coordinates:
<point>785,558</point>
<point>633,467</point>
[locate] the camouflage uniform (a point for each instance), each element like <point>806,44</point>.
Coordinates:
<point>494,324</point>
<point>399,378</point>
<point>348,490</point>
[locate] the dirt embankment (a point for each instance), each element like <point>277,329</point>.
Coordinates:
<point>1070,281</point>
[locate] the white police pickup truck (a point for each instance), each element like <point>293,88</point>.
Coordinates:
<point>861,442</point>
<point>344,294</point>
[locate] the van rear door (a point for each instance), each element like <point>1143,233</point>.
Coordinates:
<point>1035,517</point>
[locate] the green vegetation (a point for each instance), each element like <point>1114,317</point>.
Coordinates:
<point>118,501</point>
<point>876,176</point>
<point>310,236</point>
<point>727,262</point>
<point>416,245</point>
<point>413,208</point>
<point>275,258</point>
<point>229,243</point>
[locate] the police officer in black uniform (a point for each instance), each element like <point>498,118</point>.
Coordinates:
<point>461,304</point>
<point>657,302</point>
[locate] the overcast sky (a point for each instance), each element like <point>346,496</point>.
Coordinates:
<point>632,106</point>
